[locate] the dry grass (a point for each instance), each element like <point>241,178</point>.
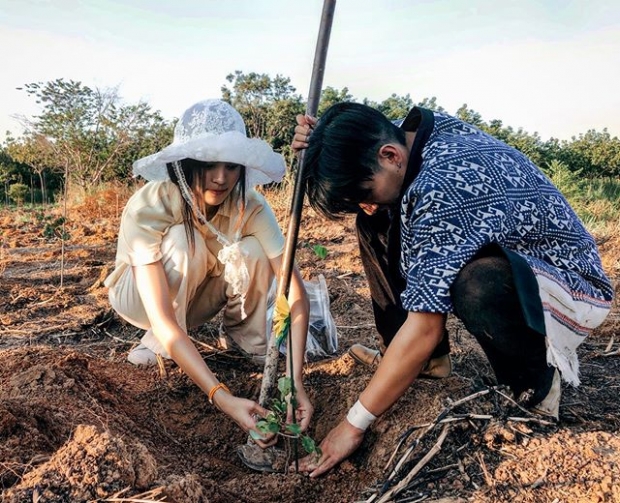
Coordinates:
<point>105,201</point>
<point>2,258</point>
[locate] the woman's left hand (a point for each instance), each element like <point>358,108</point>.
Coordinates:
<point>303,411</point>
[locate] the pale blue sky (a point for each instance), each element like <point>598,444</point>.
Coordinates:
<point>549,66</point>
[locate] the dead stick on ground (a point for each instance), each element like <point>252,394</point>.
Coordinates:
<point>487,477</point>
<point>612,353</point>
<point>451,419</point>
<point>512,400</point>
<point>402,485</point>
<point>610,345</point>
<point>530,420</point>
<point>451,405</point>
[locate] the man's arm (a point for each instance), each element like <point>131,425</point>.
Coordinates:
<point>406,355</point>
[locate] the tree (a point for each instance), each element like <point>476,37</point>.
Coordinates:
<point>36,152</point>
<point>88,130</point>
<point>268,107</point>
<point>568,182</point>
<point>594,153</point>
<point>431,104</point>
<point>396,107</point>
<point>469,115</point>
<point>253,94</point>
<point>11,171</point>
<point>330,96</point>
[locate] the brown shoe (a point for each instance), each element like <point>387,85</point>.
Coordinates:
<point>550,405</point>
<point>435,368</point>
<point>364,355</point>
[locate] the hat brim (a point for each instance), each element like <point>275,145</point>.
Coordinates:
<point>262,164</point>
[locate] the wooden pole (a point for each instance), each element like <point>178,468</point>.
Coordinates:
<point>288,258</point>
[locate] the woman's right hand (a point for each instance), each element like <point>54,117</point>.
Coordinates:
<point>245,413</point>
<point>303,130</point>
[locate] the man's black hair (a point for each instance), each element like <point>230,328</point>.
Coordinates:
<point>342,155</point>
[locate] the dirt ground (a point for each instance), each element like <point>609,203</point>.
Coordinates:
<point>79,423</point>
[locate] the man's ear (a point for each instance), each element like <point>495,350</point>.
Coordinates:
<point>390,152</point>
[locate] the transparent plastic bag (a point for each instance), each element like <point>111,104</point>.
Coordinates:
<point>322,340</point>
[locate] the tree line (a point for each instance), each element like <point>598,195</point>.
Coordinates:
<point>87,136</point>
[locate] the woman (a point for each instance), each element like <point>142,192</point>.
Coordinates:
<point>196,240</point>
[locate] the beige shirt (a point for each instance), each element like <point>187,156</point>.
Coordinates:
<point>154,208</point>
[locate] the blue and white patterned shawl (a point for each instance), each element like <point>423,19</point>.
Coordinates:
<point>473,190</point>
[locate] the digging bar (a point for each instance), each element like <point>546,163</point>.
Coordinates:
<point>316,82</point>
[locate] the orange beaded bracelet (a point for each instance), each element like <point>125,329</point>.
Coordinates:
<point>215,389</point>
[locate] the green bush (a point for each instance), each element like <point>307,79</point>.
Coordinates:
<point>18,192</point>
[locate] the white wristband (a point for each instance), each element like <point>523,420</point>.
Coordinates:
<point>360,417</point>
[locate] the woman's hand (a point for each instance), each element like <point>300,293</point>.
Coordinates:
<point>303,130</point>
<point>303,411</point>
<point>245,413</point>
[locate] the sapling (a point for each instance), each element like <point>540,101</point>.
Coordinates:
<point>275,421</point>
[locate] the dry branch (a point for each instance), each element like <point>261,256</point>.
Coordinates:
<point>404,483</point>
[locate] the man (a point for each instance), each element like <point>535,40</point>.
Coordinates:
<point>457,221</point>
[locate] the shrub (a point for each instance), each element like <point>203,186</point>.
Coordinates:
<point>18,192</point>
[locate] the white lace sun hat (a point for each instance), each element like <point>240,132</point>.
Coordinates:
<point>213,131</point>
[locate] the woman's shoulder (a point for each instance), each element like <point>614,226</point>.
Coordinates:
<point>155,194</point>
<point>153,191</point>
<point>255,198</point>
<point>257,206</point>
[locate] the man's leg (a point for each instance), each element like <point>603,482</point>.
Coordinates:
<point>379,251</point>
<point>485,298</point>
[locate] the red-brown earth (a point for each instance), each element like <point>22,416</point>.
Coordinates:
<point>79,423</point>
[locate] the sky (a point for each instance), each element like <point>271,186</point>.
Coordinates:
<point>547,66</point>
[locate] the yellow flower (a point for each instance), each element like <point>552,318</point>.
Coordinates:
<point>281,319</point>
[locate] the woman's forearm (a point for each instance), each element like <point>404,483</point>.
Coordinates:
<point>155,294</point>
<point>300,308</point>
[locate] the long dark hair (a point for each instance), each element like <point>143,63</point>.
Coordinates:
<point>194,171</point>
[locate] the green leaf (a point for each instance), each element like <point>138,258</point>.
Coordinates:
<point>272,417</point>
<point>293,428</point>
<point>262,426</point>
<point>320,251</point>
<point>256,436</point>
<point>278,406</point>
<point>273,427</point>
<point>309,445</point>
<point>284,386</point>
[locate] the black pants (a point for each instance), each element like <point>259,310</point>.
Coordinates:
<point>485,299</point>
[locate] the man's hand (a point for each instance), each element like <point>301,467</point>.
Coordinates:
<point>303,130</point>
<point>338,445</point>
